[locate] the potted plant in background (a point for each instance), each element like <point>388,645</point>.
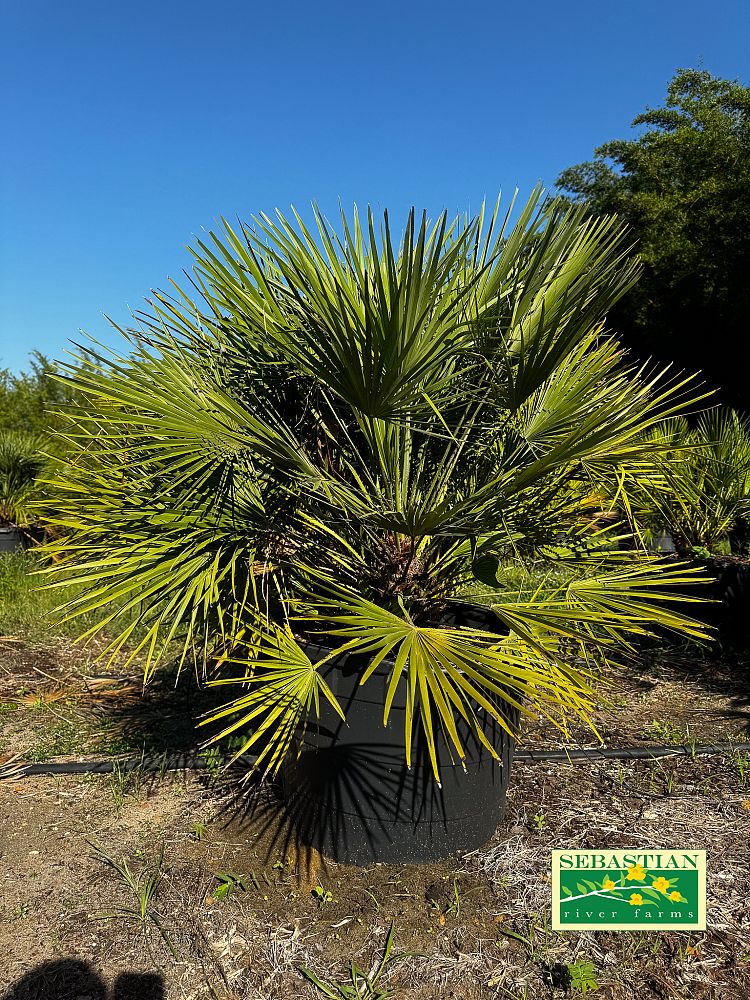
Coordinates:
<point>307,459</point>
<point>21,465</point>
<point>697,495</point>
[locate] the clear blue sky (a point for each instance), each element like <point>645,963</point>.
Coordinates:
<point>128,128</point>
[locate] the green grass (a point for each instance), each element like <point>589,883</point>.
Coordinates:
<point>27,607</point>
<point>517,578</point>
<point>24,608</point>
<point>61,739</point>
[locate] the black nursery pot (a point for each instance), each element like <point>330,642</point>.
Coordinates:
<point>351,795</point>
<point>730,592</point>
<point>11,539</point>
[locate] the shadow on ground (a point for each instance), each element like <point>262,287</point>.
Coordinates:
<point>70,979</point>
<point>724,675</point>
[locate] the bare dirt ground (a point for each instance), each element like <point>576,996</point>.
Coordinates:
<point>237,910</point>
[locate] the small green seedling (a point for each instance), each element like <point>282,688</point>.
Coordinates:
<point>453,905</point>
<point>322,895</point>
<point>743,766</point>
<point>453,909</point>
<point>361,985</point>
<point>667,731</point>
<point>540,821</point>
<point>199,830</point>
<point>214,761</point>
<point>582,977</point>
<point>228,884</point>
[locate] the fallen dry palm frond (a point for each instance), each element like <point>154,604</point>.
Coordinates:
<point>113,685</point>
<point>123,695</point>
<point>45,696</point>
<point>12,766</point>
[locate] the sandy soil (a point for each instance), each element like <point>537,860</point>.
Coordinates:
<point>476,926</point>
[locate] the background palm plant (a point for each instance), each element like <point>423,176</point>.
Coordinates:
<point>332,434</point>
<point>699,489</point>
<point>21,464</point>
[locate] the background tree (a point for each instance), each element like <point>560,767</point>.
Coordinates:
<point>684,187</point>
<point>33,407</point>
<point>30,401</point>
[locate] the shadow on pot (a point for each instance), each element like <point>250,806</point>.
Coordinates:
<point>357,802</point>
<point>360,803</point>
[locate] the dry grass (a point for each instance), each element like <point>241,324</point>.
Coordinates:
<point>477,927</point>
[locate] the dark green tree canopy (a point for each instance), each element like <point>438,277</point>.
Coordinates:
<point>684,188</point>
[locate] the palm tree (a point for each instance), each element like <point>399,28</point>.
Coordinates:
<point>21,465</point>
<point>699,488</point>
<point>332,433</point>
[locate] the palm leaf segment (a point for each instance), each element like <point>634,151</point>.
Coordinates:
<point>330,431</point>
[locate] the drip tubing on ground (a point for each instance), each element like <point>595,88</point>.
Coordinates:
<point>191,762</point>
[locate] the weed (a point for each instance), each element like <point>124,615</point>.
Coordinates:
<point>124,781</point>
<point>530,939</point>
<point>582,977</point>
<point>743,766</point>
<point>523,995</point>
<point>667,732</point>
<point>540,821</point>
<point>361,985</point>
<point>454,907</point>
<point>322,895</point>
<point>214,761</point>
<point>229,883</point>
<point>143,886</point>
<point>199,830</point>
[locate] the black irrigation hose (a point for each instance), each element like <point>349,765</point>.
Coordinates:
<point>630,753</point>
<point>185,762</point>
<point>181,762</point>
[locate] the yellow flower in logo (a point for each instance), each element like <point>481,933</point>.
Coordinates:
<point>637,872</point>
<point>636,899</point>
<point>608,884</point>
<point>675,896</point>
<point>660,883</point>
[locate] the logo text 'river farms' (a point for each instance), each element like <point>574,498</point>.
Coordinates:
<point>629,890</point>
